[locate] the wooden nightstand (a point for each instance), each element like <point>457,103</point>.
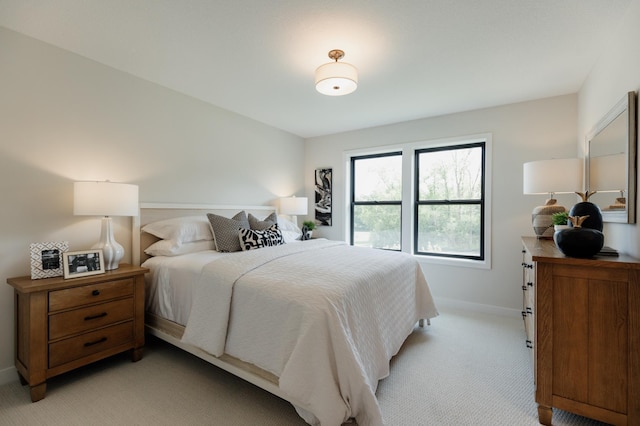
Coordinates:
<point>65,324</point>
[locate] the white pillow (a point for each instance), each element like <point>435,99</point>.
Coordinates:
<point>290,230</point>
<point>181,229</point>
<point>170,248</point>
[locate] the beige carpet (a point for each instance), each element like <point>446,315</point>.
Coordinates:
<point>464,369</point>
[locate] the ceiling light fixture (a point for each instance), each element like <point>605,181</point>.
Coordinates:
<point>336,78</point>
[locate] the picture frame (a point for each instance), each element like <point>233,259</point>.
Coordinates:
<point>83,263</point>
<point>323,187</point>
<point>46,259</point>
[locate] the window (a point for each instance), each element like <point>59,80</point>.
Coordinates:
<point>449,201</point>
<point>428,199</point>
<point>376,201</point>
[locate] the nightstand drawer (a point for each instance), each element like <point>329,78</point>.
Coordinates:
<point>86,344</point>
<point>78,296</point>
<point>92,317</point>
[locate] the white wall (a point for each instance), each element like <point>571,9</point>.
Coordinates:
<point>616,73</point>
<point>65,118</point>
<point>522,132</point>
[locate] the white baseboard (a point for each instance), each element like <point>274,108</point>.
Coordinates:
<point>8,375</point>
<point>477,307</point>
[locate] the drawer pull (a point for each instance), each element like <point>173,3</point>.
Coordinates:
<point>529,344</point>
<point>103,339</point>
<point>529,310</point>
<point>95,293</point>
<point>530,284</point>
<point>92,317</point>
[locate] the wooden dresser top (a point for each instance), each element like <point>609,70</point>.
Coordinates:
<point>544,250</point>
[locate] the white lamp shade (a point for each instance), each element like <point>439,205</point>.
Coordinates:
<point>608,173</point>
<point>336,78</point>
<point>552,176</point>
<point>293,205</point>
<point>105,199</point>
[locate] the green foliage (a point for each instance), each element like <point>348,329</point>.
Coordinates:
<point>560,218</point>
<point>311,225</point>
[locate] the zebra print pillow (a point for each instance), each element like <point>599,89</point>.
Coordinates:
<point>251,239</point>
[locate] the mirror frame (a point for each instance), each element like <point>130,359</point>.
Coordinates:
<point>626,105</point>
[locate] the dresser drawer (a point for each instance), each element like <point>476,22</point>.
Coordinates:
<point>79,296</point>
<point>92,317</point>
<point>86,344</point>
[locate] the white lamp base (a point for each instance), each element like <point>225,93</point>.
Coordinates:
<point>111,250</point>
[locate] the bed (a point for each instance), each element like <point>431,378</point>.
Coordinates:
<point>314,322</point>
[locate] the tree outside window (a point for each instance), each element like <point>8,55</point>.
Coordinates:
<point>376,201</point>
<point>447,204</point>
<point>449,207</point>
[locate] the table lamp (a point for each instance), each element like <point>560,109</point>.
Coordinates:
<point>106,199</point>
<point>293,206</point>
<point>557,176</point>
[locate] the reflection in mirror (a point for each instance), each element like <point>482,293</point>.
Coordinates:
<point>611,162</point>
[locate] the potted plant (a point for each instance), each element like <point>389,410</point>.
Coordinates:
<point>307,229</point>
<point>560,220</point>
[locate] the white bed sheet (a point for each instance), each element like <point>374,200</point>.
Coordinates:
<point>170,283</point>
<point>329,349</point>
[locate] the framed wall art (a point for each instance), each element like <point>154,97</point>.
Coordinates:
<point>323,196</point>
<point>46,259</point>
<point>83,263</point>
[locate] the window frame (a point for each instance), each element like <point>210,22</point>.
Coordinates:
<point>417,202</point>
<point>408,195</point>
<point>352,193</point>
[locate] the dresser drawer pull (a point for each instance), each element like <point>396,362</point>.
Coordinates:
<point>530,284</point>
<point>529,344</point>
<point>103,339</point>
<point>529,310</point>
<point>92,317</point>
<point>524,314</point>
<point>95,293</point>
<point>524,288</point>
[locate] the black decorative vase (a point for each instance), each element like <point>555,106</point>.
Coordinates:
<point>579,241</point>
<point>585,208</point>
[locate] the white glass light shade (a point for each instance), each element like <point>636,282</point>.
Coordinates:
<point>552,176</point>
<point>293,205</point>
<point>336,78</point>
<point>105,199</point>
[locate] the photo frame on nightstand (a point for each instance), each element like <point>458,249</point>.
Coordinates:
<point>83,263</point>
<point>46,259</point>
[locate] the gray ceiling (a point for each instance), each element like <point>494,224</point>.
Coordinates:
<point>415,58</point>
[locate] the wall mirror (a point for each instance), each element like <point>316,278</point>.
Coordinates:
<point>611,162</point>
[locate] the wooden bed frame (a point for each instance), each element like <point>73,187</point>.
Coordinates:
<point>172,332</point>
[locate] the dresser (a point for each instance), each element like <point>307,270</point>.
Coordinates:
<point>63,324</point>
<point>582,320</point>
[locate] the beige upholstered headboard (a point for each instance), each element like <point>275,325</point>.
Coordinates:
<point>153,212</point>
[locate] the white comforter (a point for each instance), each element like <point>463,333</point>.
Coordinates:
<point>323,316</point>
